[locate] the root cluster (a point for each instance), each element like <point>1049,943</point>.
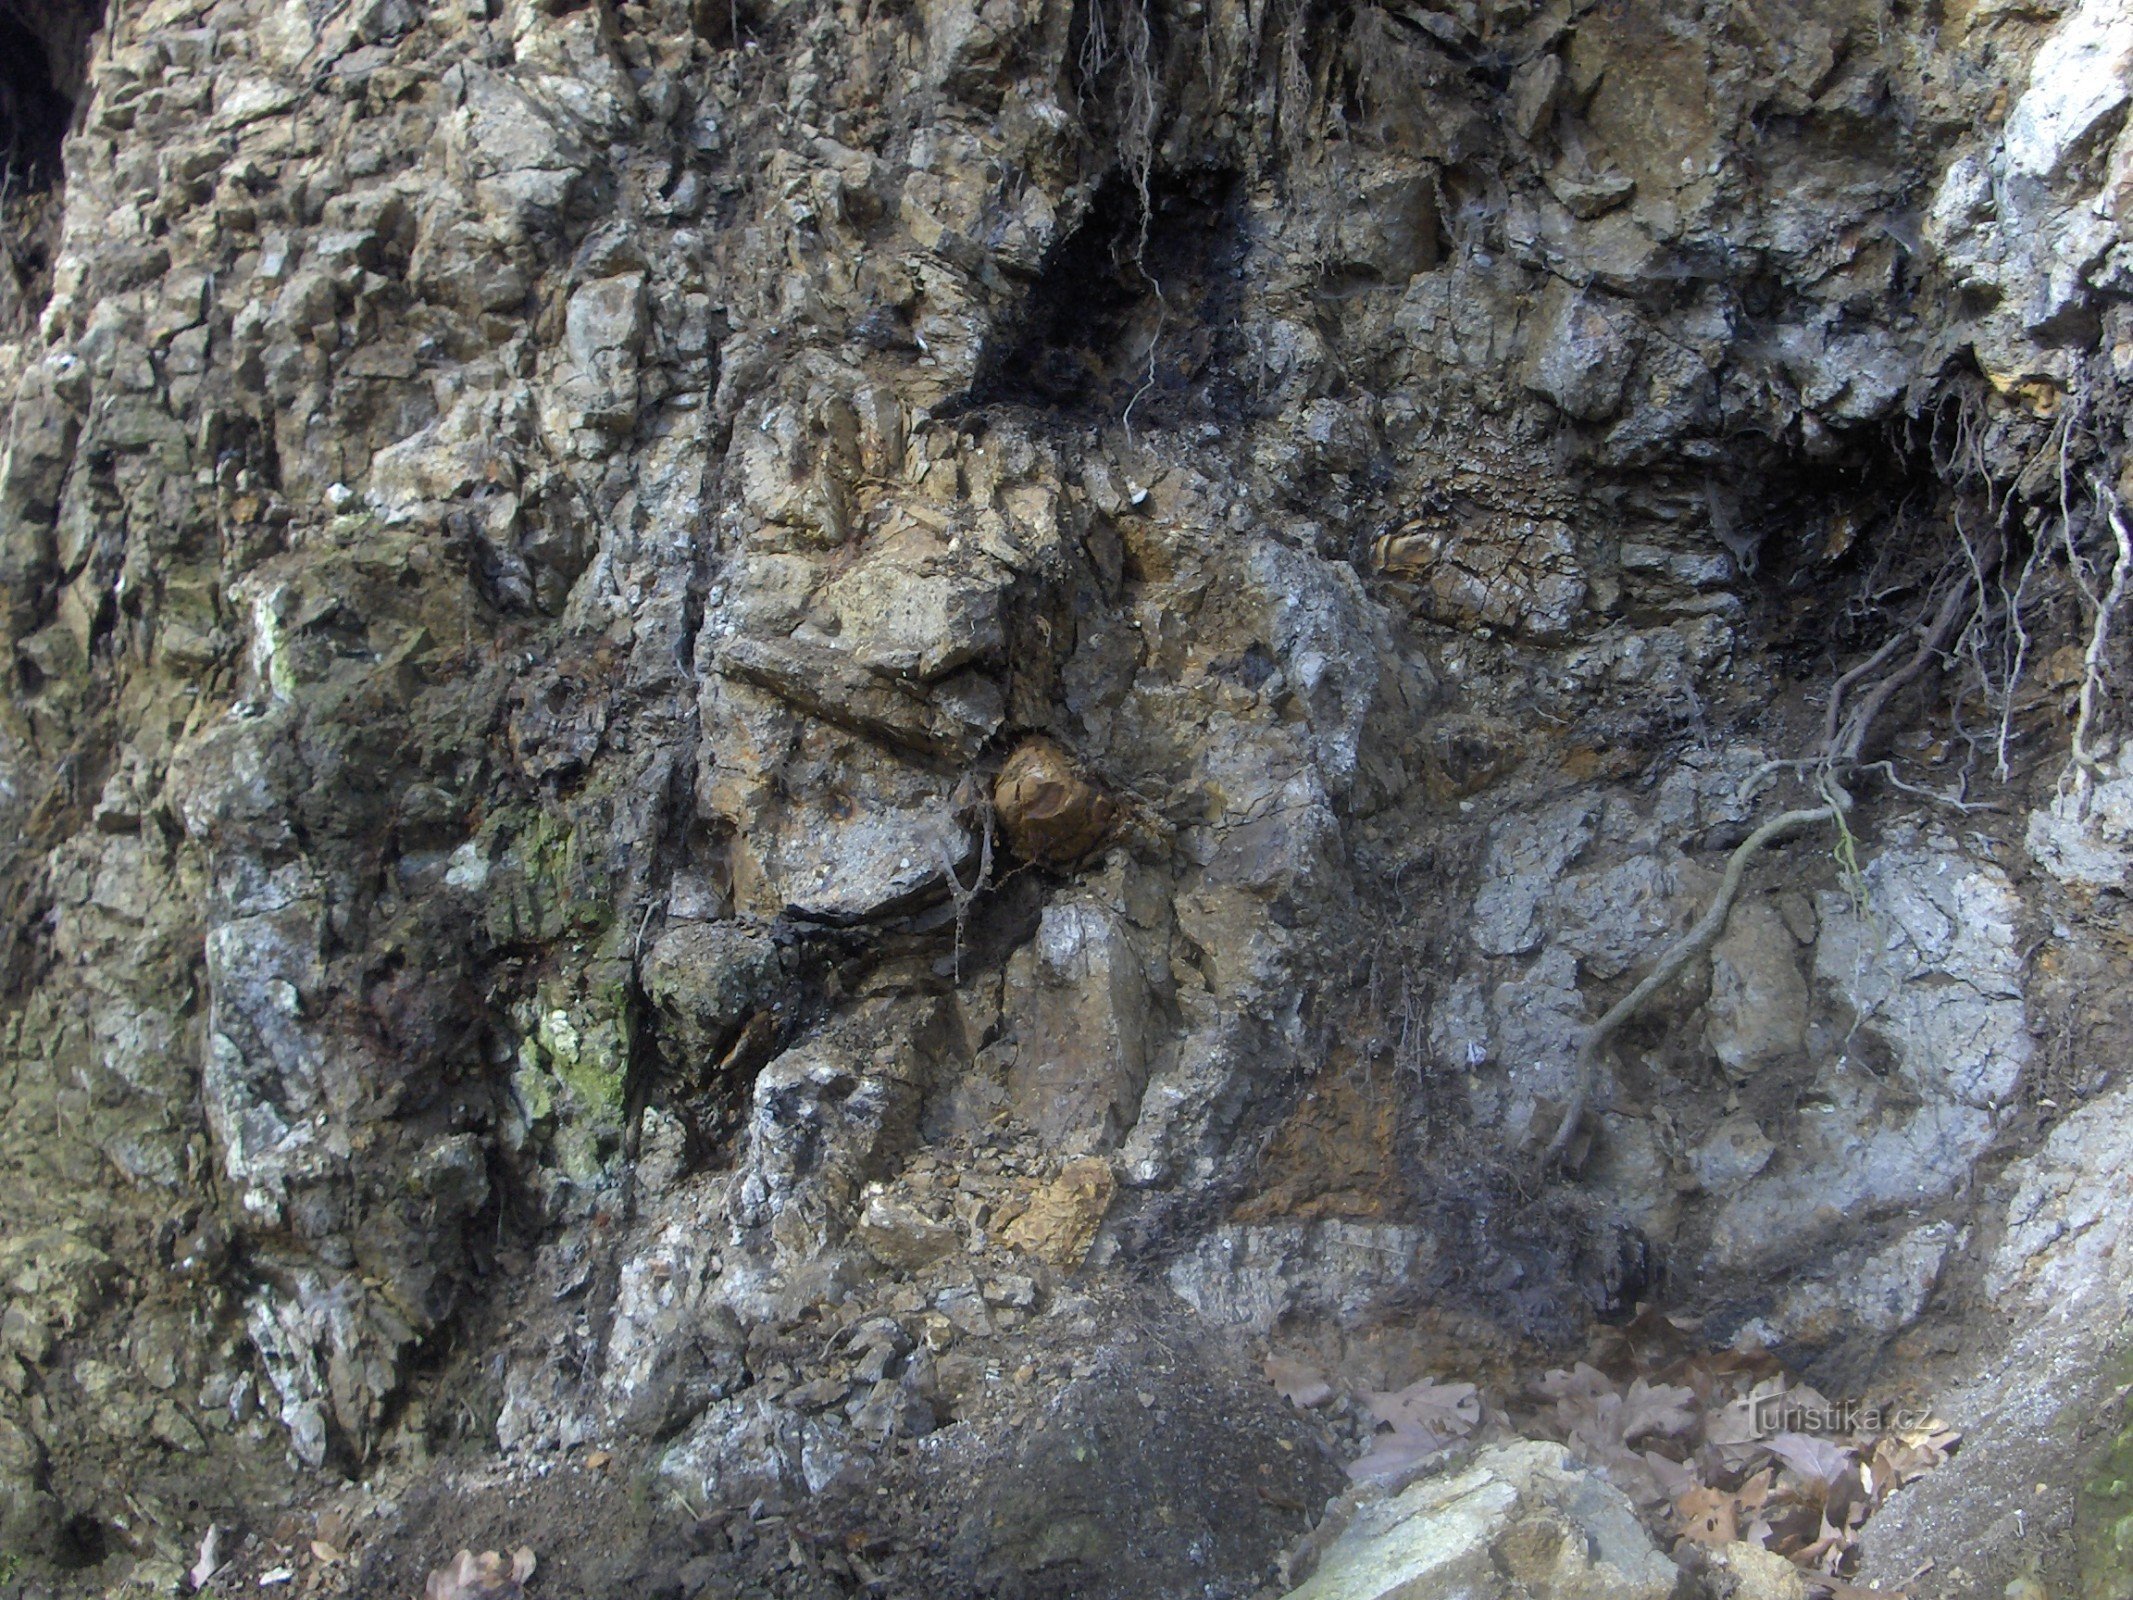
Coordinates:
<point>1974,614</point>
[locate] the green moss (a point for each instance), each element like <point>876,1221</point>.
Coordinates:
<point>572,1076</point>
<point>588,1055</point>
<point>535,1087</point>
<point>2103,1513</point>
<point>541,886</point>
<point>587,1153</point>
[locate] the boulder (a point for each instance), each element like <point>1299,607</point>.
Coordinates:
<point>898,1234</point>
<point>1063,1216</point>
<point>1759,1000</point>
<point>707,979</point>
<point>1517,1522</point>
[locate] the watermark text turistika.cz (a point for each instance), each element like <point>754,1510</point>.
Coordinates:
<point>1784,1413</point>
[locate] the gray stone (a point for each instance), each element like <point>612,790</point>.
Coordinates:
<point>1582,360</point>
<point>1081,1009</point>
<point>1526,857</point>
<point>1259,1275</point>
<point>1759,1006</point>
<point>825,1117</point>
<point>1881,1291</point>
<point>2084,837</point>
<point>1736,1151</point>
<point>2068,1247</point>
<point>708,979</point>
<point>1517,1522</point>
<point>898,1234</point>
<point>1927,963</point>
<point>502,499</point>
<point>1617,917</point>
<point>2060,1276</point>
<point>913,608</point>
<point>747,1449</point>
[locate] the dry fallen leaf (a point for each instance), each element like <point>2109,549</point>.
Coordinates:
<point>1819,1463</point>
<point>1297,1383</point>
<point>1651,1480</point>
<point>1656,1409</point>
<point>1426,1418</point>
<point>1579,1385</point>
<point>1897,1460</point>
<point>1707,1516</point>
<point>1450,1409</point>
<point>1673,1478</point>
<point>1602,1425</point>
<point>484,1577</point>
<point>1696,1438</point>
<point>1396,1455</point>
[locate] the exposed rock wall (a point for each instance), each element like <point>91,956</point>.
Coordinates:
<point>725,716</point>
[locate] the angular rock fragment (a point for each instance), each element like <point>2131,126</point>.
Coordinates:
<point>1063,1216</point>
<point>1759,1000</point>
<point>708,979</point>
<point>1518,1522</point>
<point>898,1234</point>
<point>1085,1021</point>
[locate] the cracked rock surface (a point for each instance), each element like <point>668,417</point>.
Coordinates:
<point>772,768</point>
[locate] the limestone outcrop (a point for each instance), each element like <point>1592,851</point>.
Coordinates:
<point>829,749</point>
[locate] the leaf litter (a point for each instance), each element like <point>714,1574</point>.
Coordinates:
<point>488,1576</point>
<point>1711,1446</point>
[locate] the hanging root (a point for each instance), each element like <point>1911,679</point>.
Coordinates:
<point>1847,727</point>
<point>964,898</point>
<point>1677,955</point>
<point>2087,759</point>
<point>1138,111</point>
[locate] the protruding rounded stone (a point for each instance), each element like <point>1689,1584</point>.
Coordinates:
<point>1048,810</point>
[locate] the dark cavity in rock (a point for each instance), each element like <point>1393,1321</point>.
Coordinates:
<point>1133,317</point>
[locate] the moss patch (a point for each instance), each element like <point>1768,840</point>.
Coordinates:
<point>2103,1511</point>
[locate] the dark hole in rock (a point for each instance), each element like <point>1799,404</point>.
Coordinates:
<point>1134,323</point>
<point>33,113</point>
<point>44,48</point>
<point>722,24</point>
<point>83,1542</point>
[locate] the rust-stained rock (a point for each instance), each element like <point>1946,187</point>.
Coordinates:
<point>528,533</point>
<point>1048,810</point>
<point>1063,1216</point>
<point>1336,1153</point>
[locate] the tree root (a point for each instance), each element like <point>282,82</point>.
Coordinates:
<point>1677,955</point>
<point>1846,730</point>
<point>2086,759</point>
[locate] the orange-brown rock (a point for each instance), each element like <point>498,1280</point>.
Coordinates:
<point>1063,1216</point>
<point>1047,809</point>
<point>1336,1154</point>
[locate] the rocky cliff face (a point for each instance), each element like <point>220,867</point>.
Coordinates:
<point>819,751</point>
